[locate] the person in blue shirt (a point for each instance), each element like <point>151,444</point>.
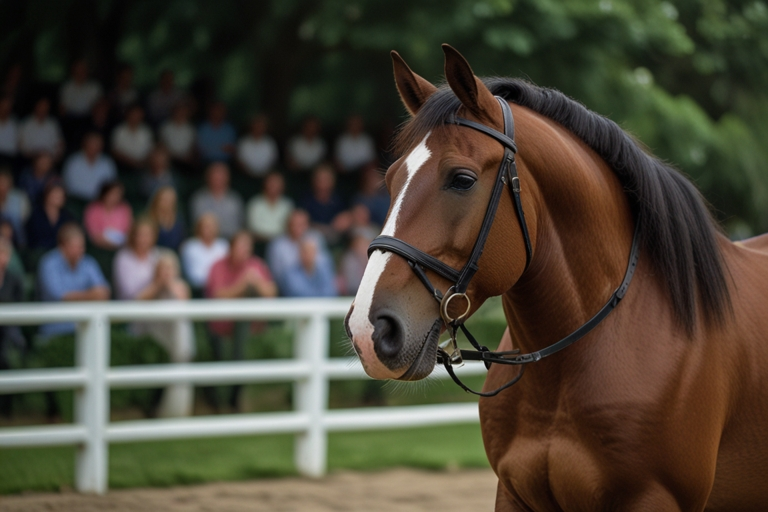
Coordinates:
<point>68,274</point>
<point>216,137</point>
<point>311,276</point>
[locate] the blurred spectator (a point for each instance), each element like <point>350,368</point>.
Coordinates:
<point>178,135</point>
<point>48,217</point>
<point>158,173</point>
<point>162,100</point>
<point>40,133</point>
<point>373,194</point>
<point>176,336</point>
<point>324,204</point>
<point>360,221</point>
<point>134,264</point>
<point>33,179</point>
<point>132,140</point>
<point>219,199</point>
<point>7,233</point>
<point>14,203</point>
<point>11,339</point>
<point>283,251</point>
<point>13,86</point>
<point>353,261</point>
<point>108,219</point>
<point>268,212</point>
<point>307,149</point>
<point>238,275</point>
<point>257,151</point>
<point>78,95</point>
<point>354,148</point>
<point>124,94</point>
<point>312,276</point>
<point>100,120</point>
<point>68,274</point>
<point>87,170</point>
<point>198,254</point>
<point>9,133</point>
<point>216,137</point>
<point>163,210</point>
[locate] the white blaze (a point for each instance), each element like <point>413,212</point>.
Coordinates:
<point>359,324</point>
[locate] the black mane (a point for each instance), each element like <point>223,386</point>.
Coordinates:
<point>677,231</point>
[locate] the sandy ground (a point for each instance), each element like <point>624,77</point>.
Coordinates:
<point>403,490</point>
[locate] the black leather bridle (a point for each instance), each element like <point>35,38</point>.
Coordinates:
<point>419,260</point>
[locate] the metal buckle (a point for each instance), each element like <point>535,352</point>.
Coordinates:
<point>446,301</point>
<point>454,355</point>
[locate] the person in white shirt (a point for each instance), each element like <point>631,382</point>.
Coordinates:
<point>9,132</point>
<point>268,213</point>
<point>40,133</point>
<point>257,151</point>
<point>132,140</point>
<point>354,148</point>
<point>178,135</point>
<point>87,170</point>
<point>162,100</point>
<point>307,149</point>
<point>198,254</point>
<point>78,94</point>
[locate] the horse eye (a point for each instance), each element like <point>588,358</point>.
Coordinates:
<point>462,182</point>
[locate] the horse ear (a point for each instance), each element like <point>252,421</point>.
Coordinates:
<point>413,89</point>
<point>470,90</point>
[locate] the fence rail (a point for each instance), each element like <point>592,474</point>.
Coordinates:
<point>310,370</point>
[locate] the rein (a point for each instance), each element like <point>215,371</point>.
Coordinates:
<point>419,260</point>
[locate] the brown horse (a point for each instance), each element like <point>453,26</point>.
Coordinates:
<point>664,405</point>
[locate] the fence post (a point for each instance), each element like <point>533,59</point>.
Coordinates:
<point>311,395</point>
<point>92,404</point>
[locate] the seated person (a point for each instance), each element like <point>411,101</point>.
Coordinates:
<point>134,264</point>
<point>158,173</point>
<point>87,170</point>
<point>312,277</point>
<point>257,151</point>
<point>238,275</point>
<point>48,217</point>
<point>198,254</point>
<point>108,219</point>
<point>307,149</point>
<point>163,210</point>
<point>354,148</point>
<point>373,194</point>
<point>178,136</point>
<point>40,133</point>
<point>176,336</point>
<point>268,212</point>
<point>14,204</point>
<point>132,140</point>
<point>325,206</point>
<point>9,132</point>
<point>217,198</point>
<point>353,262</point>
<point>68,274</point>
<point>216,137</point>
<point>283,251</point>
<point>162,100</point>
<point>33,179</point>
<point>11,339</point>
<point>15,266</point>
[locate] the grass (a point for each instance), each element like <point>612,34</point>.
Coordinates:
<point>182,462</point>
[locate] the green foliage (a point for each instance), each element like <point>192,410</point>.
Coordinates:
<point>688,78</point>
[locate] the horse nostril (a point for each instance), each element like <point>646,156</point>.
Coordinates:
<point>387,338</point>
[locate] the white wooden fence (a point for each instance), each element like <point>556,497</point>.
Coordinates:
<point>310,370</point>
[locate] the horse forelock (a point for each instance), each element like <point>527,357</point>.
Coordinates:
<point>677,231</point>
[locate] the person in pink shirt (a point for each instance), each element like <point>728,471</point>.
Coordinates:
<point>108,219</point>
<point>239,274</point>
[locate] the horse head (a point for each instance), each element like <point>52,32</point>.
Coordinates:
<point>441,188</point>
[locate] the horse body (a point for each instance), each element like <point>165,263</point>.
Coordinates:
<point>663,406</point>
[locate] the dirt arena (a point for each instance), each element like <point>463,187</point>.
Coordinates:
<point>398,490</point>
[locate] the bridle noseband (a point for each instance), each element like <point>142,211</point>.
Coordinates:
<point>419,260</point>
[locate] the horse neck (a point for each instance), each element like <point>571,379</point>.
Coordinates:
<point>583,235</point>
